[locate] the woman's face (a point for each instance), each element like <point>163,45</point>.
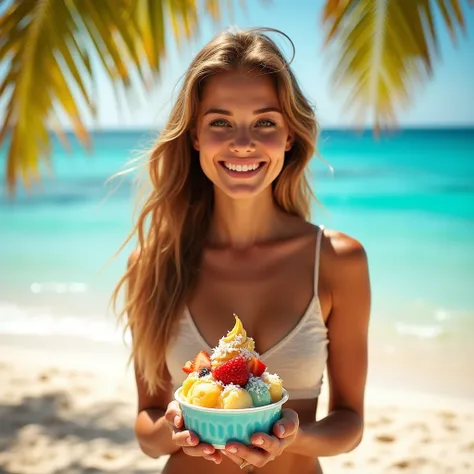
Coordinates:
<point>241,134</point>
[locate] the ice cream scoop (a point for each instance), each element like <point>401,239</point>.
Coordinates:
<point>259,392</point>
<point>205,393</point>
<point>189,382</point>
<point>234,396</point>
<point>235,343</point>
<point>275,385</point>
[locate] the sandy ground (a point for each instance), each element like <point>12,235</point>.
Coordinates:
<point>72,410</point>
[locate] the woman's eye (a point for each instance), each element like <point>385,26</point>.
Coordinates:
<point>266,123</point>
<point>219,123</point>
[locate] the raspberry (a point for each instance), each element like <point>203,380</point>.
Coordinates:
<point>204,372</point>
<point>234,371</point>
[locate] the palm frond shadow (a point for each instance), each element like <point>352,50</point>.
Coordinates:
<point>97,422</point>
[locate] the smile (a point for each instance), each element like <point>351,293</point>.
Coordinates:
<point>247,170</point>
<point>241,168</point>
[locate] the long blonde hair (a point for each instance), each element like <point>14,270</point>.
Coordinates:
<point>173,223</point>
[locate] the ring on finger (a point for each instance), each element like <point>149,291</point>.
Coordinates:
<point>244,465</point>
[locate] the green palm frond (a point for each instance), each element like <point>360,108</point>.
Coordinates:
<point>385,48</point>
<point>46,47</point>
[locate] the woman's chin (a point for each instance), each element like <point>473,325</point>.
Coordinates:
<point>241,191</point>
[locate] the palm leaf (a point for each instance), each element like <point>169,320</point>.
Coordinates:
<point>46,47</point>
<point>385,48</point>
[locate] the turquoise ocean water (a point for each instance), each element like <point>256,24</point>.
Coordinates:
<point>408,197</point>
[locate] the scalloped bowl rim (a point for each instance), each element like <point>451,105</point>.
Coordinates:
<point>284,399</point>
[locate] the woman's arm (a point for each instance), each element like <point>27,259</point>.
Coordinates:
<point>151,428</point>
<point>341,430</point>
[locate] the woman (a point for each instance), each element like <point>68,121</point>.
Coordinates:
<point>226,230</point>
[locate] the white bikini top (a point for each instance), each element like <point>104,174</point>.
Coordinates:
<point>299,358</point>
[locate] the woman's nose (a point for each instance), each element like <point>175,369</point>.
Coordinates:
<point>242,142</point>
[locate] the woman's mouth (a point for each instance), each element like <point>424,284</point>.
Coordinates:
<point>242,170</point>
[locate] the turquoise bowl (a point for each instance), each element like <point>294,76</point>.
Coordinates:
<point>218,426</point>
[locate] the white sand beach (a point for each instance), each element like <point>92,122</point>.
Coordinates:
<point>71,410</point>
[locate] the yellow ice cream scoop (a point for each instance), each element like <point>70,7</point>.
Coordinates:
<point>190,380</point>
<point>275,386</point>
<point>233,344</point>
<point>205,393</point>
<point>235,397</point>
<point>237,330</point>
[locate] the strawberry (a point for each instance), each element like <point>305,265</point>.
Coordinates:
<point>233,371</point>
<point>256,366</point>
<point>201,361</point>
<point>188,367</point>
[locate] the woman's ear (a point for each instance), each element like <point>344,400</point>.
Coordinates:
<point>289,141</point>
<point>194,139</point>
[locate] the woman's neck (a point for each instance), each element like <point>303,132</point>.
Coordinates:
<point>240,223</point>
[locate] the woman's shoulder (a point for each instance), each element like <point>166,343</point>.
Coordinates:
<point>336,243</point>
<point>342,251</point>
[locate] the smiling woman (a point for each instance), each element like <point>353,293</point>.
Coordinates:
<point>224,230</point>
<point>241,133</point>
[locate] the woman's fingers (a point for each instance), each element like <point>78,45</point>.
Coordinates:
<point>233,457</point>
<point>187,439</point>
<point>204,450</point>
<point>271,444</point>
<point>184,438</point>
<point>173,415</point>
<point>240,452</point>
<point>287,425</point>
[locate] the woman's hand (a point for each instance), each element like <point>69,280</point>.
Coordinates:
<point>266,448</point>
<point>187,440</point>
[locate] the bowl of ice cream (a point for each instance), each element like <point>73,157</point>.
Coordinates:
<point>218,426</point>
<point>230,395</point>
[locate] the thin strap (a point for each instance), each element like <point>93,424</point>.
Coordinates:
<point>316,258</point>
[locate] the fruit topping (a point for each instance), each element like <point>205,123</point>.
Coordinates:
<point>204,372</point>
<point>188,367</point>
<point>201,361</point>
<point>256,366</point>
<point>233,371</point>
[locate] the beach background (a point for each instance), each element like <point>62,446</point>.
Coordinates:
<point>67,398</point>
<point>408,197</point>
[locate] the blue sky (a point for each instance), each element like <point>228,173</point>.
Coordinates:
<point>448,99</point>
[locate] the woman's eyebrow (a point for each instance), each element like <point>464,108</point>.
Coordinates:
<point>255,112</point>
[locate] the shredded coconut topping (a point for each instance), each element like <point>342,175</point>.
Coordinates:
<point>271,378</point>
<point>230,388</point>
<point>233,348</point>
<point>257,385</point>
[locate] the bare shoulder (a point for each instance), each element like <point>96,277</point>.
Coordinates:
<point>345,268</point>
<point>342,249</point>
<point>344,262</point>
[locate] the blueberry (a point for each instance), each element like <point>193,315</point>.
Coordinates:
<point>204,372</point>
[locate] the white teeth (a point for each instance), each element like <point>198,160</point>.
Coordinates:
<point>241,168</point>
